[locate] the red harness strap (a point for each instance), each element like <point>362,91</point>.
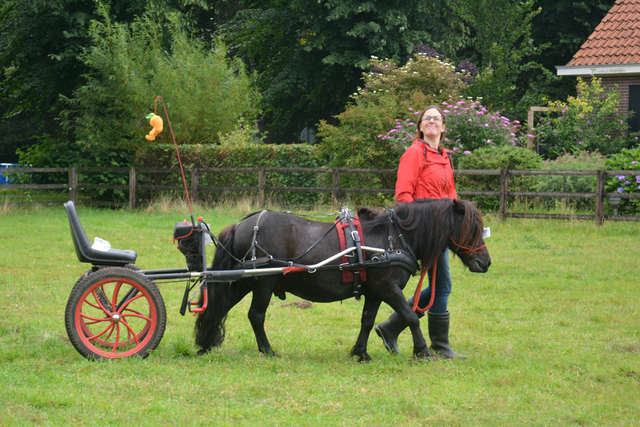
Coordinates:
<point>347,275</point>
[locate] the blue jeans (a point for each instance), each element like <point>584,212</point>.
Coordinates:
<point>443,286</point>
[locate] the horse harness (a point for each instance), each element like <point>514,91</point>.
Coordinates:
<point>350,236</point>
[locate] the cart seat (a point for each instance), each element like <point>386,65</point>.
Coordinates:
<point>85,251</point>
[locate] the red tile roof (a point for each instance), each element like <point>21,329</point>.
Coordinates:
<point>616,40</point>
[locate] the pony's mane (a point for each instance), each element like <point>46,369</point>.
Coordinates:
<point>427,223</point>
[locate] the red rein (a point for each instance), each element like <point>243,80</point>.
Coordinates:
<point>416,294</point>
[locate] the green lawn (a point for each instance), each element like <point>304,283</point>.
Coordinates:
<point>552,332</point>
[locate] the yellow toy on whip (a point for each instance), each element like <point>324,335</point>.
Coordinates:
<point>156,122</point>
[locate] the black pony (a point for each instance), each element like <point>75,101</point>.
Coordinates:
<point>427,227</point>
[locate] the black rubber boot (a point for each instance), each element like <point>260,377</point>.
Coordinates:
<point>390,329</point>
<point>439,334</point>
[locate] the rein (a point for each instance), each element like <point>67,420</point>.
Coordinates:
<point>416,294</point>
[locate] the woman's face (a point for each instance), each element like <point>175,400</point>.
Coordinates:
<point>432,124</point>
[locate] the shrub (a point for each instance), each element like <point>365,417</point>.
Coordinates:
<point>627,159</point>
<point>571,184</point>
<point>215,156</point>
<point>58,153</point>
<point>591,121</point>
<point>499,157</point>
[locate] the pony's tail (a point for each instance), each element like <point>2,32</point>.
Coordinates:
<point>209,327</point>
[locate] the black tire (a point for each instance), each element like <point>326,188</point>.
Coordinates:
<point>114,313</point>
<point>98,267</point>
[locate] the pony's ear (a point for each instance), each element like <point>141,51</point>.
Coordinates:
<point>366,213</point>
<point>459,207</point>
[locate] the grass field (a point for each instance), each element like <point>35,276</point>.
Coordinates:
<point>552,332</point>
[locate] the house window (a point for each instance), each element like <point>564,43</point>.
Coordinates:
<point>634,104</point>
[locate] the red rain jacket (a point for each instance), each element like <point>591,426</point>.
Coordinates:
<point>424,173</point>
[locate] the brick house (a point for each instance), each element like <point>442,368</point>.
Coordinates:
<point>612,53</point>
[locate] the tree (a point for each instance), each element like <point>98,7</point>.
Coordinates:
<point>206,95</point>
<point>510,80</point>
<point>309,55</point>
<point>40,44</point>
<point>563,26</point>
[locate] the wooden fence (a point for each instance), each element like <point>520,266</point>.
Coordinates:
<point>73,186</point>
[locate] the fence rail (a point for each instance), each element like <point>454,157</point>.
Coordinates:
<point>73,186</point>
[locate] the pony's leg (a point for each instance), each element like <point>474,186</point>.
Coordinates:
<point>402,307</point>
<point>262,292</point>
<point>369,312</point>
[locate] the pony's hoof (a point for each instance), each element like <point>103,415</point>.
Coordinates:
<point>202,352</point>
<point>269,353</point>
<point>424,355</point>
<point>362,358</point>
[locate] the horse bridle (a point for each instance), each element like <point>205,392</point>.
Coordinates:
<point>467,250</point>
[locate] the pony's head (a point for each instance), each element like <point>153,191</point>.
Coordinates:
<point>465,239</point>
<point>431,225</point>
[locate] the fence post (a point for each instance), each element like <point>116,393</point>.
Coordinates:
<point>132,188</point>
<point>600,197</point>
<point>261,184</point>
<point>73,185</point>
<point>335,199</point>
<point>194,185</point>
<point>504,188</point>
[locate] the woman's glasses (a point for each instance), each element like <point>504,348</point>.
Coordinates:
<point>429,118</point>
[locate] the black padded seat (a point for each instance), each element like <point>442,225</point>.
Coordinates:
<point>84,249</point>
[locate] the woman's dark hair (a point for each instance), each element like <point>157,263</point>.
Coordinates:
<point>420,135</point>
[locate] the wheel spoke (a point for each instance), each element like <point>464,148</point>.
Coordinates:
<point>115,293</point>
<point>95,319</point>
<point>131,331</point>
<point>139,316</point>
<point>115,345</point>
<point>128,302</point>
<point>93,337</point>
<point>102,307</point>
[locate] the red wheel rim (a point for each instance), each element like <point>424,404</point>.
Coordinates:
<point>113,325</point>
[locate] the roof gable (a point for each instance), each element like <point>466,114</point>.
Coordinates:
<point>616,40</point>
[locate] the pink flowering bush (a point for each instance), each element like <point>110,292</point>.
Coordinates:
<point>470,126</point>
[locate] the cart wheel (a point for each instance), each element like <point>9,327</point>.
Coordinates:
<point>115,313</point>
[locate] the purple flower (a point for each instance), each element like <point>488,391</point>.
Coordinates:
<point>634,162</point>
<point>530,136</point>
<point>446,111</point>
<point>412,124</point>
<point>621,177</point>
<point>467,152</point>
<point>380,136</point>
<point>627,183</point>
<point>488,141</point>
<point>410,109</point>
<point>620,190</point>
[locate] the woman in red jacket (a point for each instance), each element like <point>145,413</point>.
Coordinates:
<point>425,171</point>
